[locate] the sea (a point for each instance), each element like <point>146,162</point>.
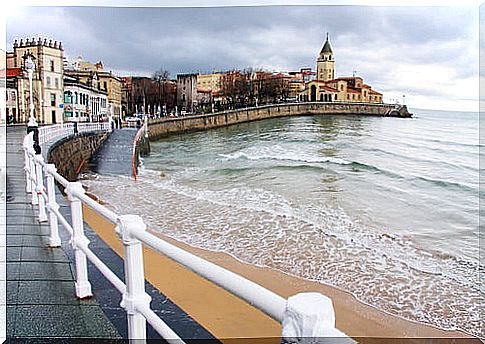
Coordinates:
<point>384,208</point>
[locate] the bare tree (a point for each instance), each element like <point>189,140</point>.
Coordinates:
<point>161,76</point>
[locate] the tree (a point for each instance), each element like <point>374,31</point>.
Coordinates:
<point>161,76</point>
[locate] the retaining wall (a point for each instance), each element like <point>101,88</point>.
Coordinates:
<point>162,127</point>
<point>73,152</point>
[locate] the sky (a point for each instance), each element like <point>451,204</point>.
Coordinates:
<point>429,54</point>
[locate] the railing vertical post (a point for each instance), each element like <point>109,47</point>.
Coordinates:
<point>33,176</point>
<point>40,187</point>
<point>79,240</point>
<point>135,297</point>
<point>28,184</point>
<point>52,206</point>
<point>310,318</point>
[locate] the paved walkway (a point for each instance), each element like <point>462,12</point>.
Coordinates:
<point>41,298</point>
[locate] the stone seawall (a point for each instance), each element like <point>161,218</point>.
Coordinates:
<point>162,127</point>
<point>72,153</point>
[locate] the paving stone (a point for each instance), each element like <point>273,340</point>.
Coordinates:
<point>45,271</point>
<point>15,240</point>
<point>43,254</point>
<point>62,321</point>
<point>49,293</point>
<point>13,254</point>
<point>11,320</point>
<point>13,270</point>
<point>35,240</point>
<point>12,292</point>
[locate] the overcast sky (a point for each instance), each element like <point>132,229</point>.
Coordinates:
<point>429,54</point>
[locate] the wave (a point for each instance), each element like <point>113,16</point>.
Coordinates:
<point>289,157</point>
<point>321,241</point>
<point>356,165</point>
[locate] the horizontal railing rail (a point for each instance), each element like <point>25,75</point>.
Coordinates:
<point>303,315</point>
<point>59,131</point>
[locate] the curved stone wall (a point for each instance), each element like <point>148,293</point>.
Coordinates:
<point>73,152</point>
<point>162,127</point>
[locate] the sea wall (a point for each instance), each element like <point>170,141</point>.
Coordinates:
<point>162,127</point>
<point>73,152</point>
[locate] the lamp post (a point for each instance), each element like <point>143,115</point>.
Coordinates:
<point>32,125</point>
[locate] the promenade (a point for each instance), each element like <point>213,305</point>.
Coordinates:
<point>41,298</point>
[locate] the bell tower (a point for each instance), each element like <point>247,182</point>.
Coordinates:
<point>326,63</point>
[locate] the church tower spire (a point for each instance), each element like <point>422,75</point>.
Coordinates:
<point>326,63</point>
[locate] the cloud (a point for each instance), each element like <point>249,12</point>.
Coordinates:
<point>426,52</point>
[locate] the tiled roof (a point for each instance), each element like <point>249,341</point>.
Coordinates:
<point>327,88</point>
<point>11,72</point>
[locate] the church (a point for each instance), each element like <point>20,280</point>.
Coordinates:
<point>327,88</point>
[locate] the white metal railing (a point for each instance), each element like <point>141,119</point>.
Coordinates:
<point>95,126</point>
<point>55,131</point>
<point>303,315</point>
<point>58,131</point>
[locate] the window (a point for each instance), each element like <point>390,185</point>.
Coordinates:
<point>75,98</point>
<point>52,65</point>
<point>67,97</point>
<point>48,80</point>
<point>57,82</point>
<point>341,87</point>
<point>53,99</point>
<point>335,96</point>
<point>105,84</point>
<point>348,96</point>
<point>14,97</point>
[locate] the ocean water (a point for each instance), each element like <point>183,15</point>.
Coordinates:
<point>384,208</point>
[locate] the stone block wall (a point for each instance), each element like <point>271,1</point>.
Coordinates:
<point>72,153</point>
<point>163,127</point>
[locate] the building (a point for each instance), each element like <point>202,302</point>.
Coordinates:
<point>210,82</point>
<point>48,57</point>
<point>187,92</point>
<point>84,71</point>
<point>3,88</point>
<point>11,105</point>
<point>326,63</point>
<point>327,88</point>
<point>84,102</point>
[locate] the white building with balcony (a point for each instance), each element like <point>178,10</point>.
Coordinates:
<point>84,102</point>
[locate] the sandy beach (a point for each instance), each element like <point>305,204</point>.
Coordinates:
<point>228,317</point>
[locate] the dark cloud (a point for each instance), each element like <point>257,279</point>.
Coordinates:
<point>373,40</point>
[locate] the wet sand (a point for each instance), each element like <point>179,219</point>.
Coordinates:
<point>228,317</point>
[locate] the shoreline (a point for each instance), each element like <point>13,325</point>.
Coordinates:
<point>353,317</point>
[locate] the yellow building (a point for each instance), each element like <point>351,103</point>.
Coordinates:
<point>210,82</point>
<point>327,88</point>
<point>48,87</point>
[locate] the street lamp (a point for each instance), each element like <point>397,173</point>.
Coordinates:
<point>32,125</point>
<point>30,67</point>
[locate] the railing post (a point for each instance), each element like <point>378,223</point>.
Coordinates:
<point>28,184</point>
<point>52,206</point>
<point>135,297</point>
<point>33,176</point>
<point>79,240</point>
<point>310,318</point>
<point>40,187</point>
